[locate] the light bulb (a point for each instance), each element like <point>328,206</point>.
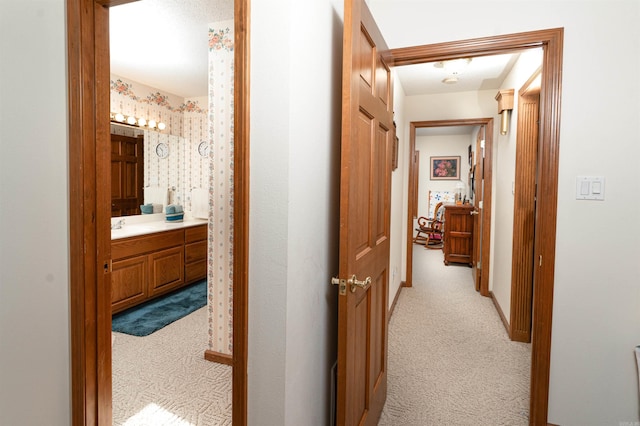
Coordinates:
<point>142,122</point>
<point>131,120</point>
<point>119,117</point>
<point>152,124</point>
<point>161,126</point>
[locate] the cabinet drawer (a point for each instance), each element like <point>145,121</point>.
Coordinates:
<point>195,252</point>
<point>147,243</point>
<point>195,233</point>
<point>166,270</point>
<point>195,271</point>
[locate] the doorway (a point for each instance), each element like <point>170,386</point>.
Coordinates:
<point>89,164</point>
<point>551,41</point>
<point>486,124</point>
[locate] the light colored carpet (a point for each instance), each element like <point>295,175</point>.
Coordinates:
<point>163,378</point>
<point>450,359</point>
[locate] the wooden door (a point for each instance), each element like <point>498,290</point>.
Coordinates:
<point>367,132</point>
<point>458,234</point>
<point>524,212</point>
<point>478,182</point>
<point>127,162</point>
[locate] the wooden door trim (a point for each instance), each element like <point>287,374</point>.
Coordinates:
<point>551,40</point>
<point>486,230</point>
<point>241,174</point>
<point>89,210</point>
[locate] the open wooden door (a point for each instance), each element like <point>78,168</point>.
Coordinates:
<point>367,132</point>
<point>478,185</point>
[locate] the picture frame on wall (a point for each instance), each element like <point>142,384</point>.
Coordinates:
<point>445,168</point>
<point>394,158</point>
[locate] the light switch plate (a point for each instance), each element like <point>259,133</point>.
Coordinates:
<point>590,188</point>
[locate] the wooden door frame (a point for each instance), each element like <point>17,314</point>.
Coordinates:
<point>551,41</point>
<point>89,210</point>
<point>486,210</point>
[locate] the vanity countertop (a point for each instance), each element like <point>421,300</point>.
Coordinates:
<point>134,226</point>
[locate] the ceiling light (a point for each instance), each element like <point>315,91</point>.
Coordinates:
<point>450,80</point>
<point>453,66</point>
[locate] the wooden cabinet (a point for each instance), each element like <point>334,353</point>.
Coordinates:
<point>195,253</point>
<point>458,234</point>
<point>128,282</point>
<point>166,270</point>
<point>147,266</point>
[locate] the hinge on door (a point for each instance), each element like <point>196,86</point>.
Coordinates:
<point>479,265</point>
<point>341,283</point>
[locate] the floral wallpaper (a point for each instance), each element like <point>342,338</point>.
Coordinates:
<point>221,200</point>
<point>187,123</point>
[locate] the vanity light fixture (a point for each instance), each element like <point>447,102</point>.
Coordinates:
<point>505,105</point>
<point>136,122</point>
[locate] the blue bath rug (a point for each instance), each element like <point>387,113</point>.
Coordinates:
<point>151,316</point>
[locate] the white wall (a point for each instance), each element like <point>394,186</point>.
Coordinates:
<point>596,316</point>
<point>504,169</point>
<point>399,197</point>
<point>295,169</point>
<point>439,146</point>
<point>34,215</point>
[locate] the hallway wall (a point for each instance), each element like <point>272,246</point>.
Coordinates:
<point>34,215</point>
<point>294,221</point>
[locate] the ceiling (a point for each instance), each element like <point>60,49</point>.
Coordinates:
<point>164,44</point>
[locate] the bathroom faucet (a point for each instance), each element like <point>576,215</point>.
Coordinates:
<point>118,224</point>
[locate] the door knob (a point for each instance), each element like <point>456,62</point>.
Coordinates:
<point>354,283</point>
<point>473,212</point>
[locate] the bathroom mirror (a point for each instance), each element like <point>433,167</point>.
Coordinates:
<point>142,158</point>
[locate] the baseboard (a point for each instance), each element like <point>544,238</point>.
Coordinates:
<point>218,357</point>
<point>395,300</point>
<point>502,317</point>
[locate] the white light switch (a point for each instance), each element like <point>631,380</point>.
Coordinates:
<point>584,187</point>
<point>590,188</point>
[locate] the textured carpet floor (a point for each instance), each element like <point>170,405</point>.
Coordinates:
<point>151,316</point>
<point>163,378</point>
<point>450,359</point>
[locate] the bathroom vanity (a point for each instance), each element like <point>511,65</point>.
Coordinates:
<point>153,258</point>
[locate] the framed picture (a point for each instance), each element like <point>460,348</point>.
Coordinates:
<point>445,168</point>
<point>394,158</point>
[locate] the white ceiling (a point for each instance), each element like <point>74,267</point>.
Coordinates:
<point>164,44</point>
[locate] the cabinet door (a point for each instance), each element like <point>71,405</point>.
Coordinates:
<point>128,282</point>
<point>458,235</point>
<point>166,270</point>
